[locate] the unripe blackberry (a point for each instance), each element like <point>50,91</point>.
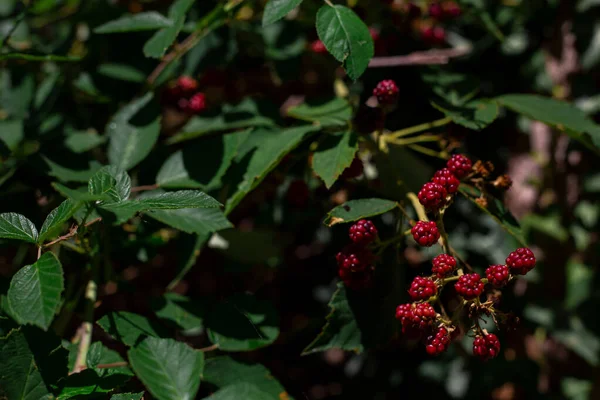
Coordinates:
<point>422,288</point>
<point>451,9</point>
<point>386,92</point>
<point>437,341</point>
<point>187,85</point>
<point>435,10</point>
<point>196,104</point>
<point>425,233</point>
<point>469,286</point>
<point>434,35</point>
<point>460,165</point>
<point>415,316</point>
<point>443,265</point>
<point>432,196</point>
<point>354,258</point>
<point>497,275</point>
<point>363,232</point>
<point>318,47</point>
<point>521,261</point>
<point>360,280</point>
<point>446,178</point>
<point>486,346</point>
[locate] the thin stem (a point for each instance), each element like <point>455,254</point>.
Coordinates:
<point>430,57</point>
<point>439,221</point>
<point>417,206</point>
<point>119,364</point>
<point>444,313</point>
<point>451,279</point>
<point>418,128</point>
<point>403,210</point>
<point>144,188</point>
<point>426,151</point>
<point>209,348</point>
<point>39,252</point>
<point>461,260</point>
<point>72,232</point>
<point>86,327</point>
<point>416,139</point>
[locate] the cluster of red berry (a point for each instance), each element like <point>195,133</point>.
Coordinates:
<point>386,92</point>
<point>427,19</point>
<point>183,94</point>
<point>420,319</point>
<point>355,261</point>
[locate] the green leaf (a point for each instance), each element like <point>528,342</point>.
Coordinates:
<point>559,114</point>
<point>127,396</point>
<point>35,291</point>
<point>180,312</point>
<point>57,217</point>
<point>497,210</point>
<point>130,328</point>
<point>163,39</point>
<point>243,115</point>
<point>122,72</point>
<point>20,377</point>
<point>16,226</point>
<point>193,220</point>
<point>346,37</point>
<point>334,155</point>
<point>265,158</point>
<point>144,21</point>
<point>336,112</point>
<point>354,210</point>
<point>170,370</point>
<point>80,142</point>
<point>133,131</point>
<point>38,57</point>
<point>224,371</point>
<point>341,330</point>
<point>202,164</point>
<point>475,115</point>
<point>238,391</point>
<point>277,9</point>
<point>112,182</point>
<point>243,323</point>
<point>11,133</point>
<point>66,174</point>
<point>80,195</point>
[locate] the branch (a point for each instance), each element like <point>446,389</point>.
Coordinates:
<point>86,327</point>
<point>72,232</point>
<point>430,57</point>
<point>144,188</point>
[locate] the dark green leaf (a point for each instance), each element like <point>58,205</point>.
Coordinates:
<point>334,155</point>
<point>265,158</point>
<point>474,115</point>
<point>559,114</point>
<point>81,142</point>
<point>112,182</point>
<point>133,131</point>
<point>130,328</point>
<point>11,133</point>
<point>163,39</point>
<point>243,323</point>
<point>122,72</point>
<point>66,174</point>
<point>181,312</point>
<point>336,112</point>
<point>224,371</point>
<point>497,210</point>
<point>19,374</point>
<point>16,226</point>
<point>354,210</point>
<point>38,57</point>
<point>170,370</point>
<point>80,194</point>
<point>277,9</point>
<point>35,291</point>
<point>127,396</point>
<point>202,164</point>
<point>238,391</point>
<point>201,221</point>
<point>57,217</point>
<point>346,37</point>
<point>144,21</point>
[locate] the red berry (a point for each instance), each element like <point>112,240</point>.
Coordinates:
<point>469,286</point>
<point>386,92</point>
<point>432,195</point>
<point>435,10</point>
<point>446,178</point>
<point>354,170</point>
<point>437,342</point>
<point>417,317</point>
<point>422,288</point>
<point>497,275</point>
<point>196,104</point>
<point>187,84</point>
<point>521,261</point>
<point>443,265</point>
<point>434,35</point>
<point>425,233</point>
<point>359,280</point>
<point>354,258</point>
<point>363,232</point>
<point>374,33</point>
<point>298,193</point>
<point>318,47</point>
<point>486,346</point>
<point>459,165</point>
<point>451,9</point>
